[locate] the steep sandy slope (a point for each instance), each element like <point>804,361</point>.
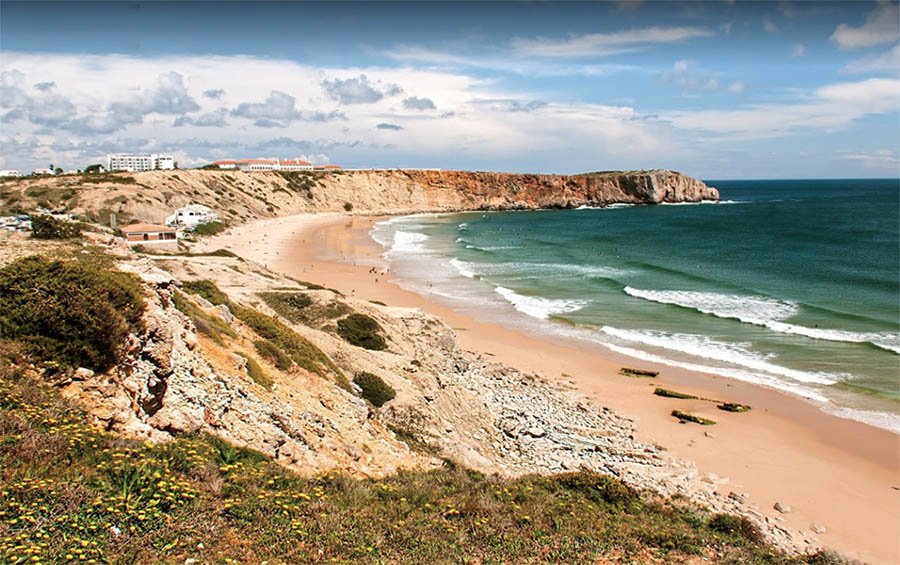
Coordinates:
<point>239,196</point>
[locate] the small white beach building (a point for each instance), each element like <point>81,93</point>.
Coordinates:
<point>192,215</point>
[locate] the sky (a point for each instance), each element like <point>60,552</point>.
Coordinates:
<point>724,90</point>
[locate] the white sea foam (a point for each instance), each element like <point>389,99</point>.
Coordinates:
<point>885,420</point>
<point>703,202</point>
<point>614,206</point>
<point>409,242</point>
<point>750,309</point>
<point>463,226</point>
<point>538,307</point>
<point>736,354</point>
<point>761,311</point>
<point>464,268</point>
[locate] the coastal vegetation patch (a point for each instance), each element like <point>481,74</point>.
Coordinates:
<point>268,350</point>
<point>362,331</point>
<point>374,389</point>
<point>209,228</point>
<point>255,371</point>
<point>44,226</point>
<point>299,349</point>
<point>210,325</point>
<point>75,312</point>
<point>73,492</point>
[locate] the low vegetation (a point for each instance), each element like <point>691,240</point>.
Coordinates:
<point>374,389</point>
<point>44,226</point>
<point>362,331</point>
<point>72,492</point>
<point>299,308</point>
<point>268,350</point>
<point>209,228</point>
<point>255,371</point>
<point>210,325</point>
<point>74,312</point>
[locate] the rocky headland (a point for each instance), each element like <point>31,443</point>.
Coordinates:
<point>240,197</point>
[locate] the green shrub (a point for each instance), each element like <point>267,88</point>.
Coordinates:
<point>74,313</point>
<point>48,227</point>
<point>206,289</point>
<point>270,351</point>
<point>735,525</point>
<point>374,389</point>
<point>599,488</point>
<point>290,305</point>
<point>255,372</point>
<point>210,325</point>
<point>301,351</point>
<point>362,331</point>
<point>348,206</point>
<point>210,228</point>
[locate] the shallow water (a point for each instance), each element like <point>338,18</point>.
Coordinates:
<point>794,285</point>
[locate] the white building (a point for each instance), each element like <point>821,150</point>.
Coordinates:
<point>266,164</point>
<point>138,163</point>
<point>39,172</point>
<point>10,173</point>
<point>192,215</point>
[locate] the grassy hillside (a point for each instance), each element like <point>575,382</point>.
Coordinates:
<point>75,493</point>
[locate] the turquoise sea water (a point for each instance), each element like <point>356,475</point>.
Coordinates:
<point>794,285</point>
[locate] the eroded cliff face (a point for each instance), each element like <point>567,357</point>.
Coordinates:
<point>239,197</point>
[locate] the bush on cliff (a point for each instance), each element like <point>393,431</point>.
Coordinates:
<point>75,313</point>
<point>48,227</point>
<point>374,389</point>
<point>362,331</point>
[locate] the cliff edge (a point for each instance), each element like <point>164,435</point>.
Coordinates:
<point>241,196</point>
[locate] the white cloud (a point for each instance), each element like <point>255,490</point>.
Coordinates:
<point>501,60</point>
<point>881,27</point>
<point>603,44</point>
<point>887,62</point>
<point>358,90</point>
<point>691,80</point>
<point>798,50</point>
<point>249,95</point>
<point>879,159</point>
<point>829,107</point>
<point>737,87</point>
<point>770,27</point>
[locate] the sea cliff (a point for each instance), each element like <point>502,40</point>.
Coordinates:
<point>240,197</point>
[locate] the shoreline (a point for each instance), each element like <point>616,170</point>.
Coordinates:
<point>835,472</point>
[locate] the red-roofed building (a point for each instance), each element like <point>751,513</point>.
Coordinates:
<point>265,164</point>
<point>136,234</point>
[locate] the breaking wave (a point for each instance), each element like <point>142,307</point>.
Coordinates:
<point>761,311</point>
<point>537,307</point>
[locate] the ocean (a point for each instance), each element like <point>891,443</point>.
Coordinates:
<point>793,285</point>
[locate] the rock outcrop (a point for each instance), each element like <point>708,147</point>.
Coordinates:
<point>239,196</point>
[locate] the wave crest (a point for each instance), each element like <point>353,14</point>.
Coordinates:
<point>538,307</point>
<point>761,311</point>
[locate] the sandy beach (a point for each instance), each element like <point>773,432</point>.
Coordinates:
<point>832,472</point>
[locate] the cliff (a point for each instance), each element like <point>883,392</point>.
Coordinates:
<point>240,197</point>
